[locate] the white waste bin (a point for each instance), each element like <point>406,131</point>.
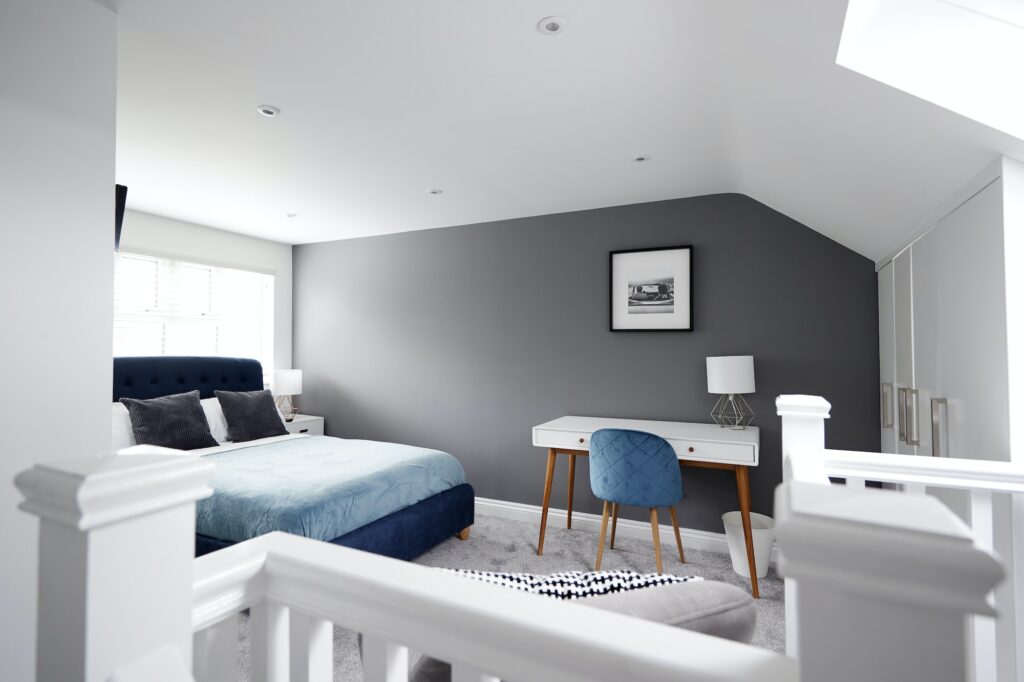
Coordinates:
<point>762,530</point>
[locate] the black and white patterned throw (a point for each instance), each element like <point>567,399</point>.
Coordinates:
<point>576,584</point>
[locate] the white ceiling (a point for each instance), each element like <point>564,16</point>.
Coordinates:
<point>382,101</point>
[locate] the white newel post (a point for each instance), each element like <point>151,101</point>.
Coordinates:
<point>887,583</point>
<point>803,429</point>
<point>116,546</point>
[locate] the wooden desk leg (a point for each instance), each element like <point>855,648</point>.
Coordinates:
<point>572,478</point>
<point>743,492</point>
<point>547,498</point>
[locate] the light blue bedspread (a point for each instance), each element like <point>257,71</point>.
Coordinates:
<point>320,487</point>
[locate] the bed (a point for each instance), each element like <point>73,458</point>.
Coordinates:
<point>386,498</point>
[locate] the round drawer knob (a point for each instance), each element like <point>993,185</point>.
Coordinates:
<point>689,449</point>
<point>581,441</point>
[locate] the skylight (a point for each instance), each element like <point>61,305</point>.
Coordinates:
<point>964,55</point>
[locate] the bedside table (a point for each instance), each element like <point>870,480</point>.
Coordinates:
<point>306,423</point>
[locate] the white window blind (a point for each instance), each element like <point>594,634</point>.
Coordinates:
<point>172,307</point>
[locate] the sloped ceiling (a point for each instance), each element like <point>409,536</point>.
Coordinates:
<point>383,101</point>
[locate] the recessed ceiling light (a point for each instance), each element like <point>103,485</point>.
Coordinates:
<point>291,215</point>
<point>551,25</point>
<point>437,191</point>
<point>642,158</point>
<point>268,110</point>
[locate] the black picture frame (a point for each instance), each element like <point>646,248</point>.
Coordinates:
<point>654,323</point>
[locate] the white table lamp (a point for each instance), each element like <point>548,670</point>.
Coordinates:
<point>731,376</point>
<point>287,383</point>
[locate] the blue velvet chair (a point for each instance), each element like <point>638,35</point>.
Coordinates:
<point>635,468</point>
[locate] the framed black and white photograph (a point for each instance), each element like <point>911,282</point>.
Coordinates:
<point>652,289</point>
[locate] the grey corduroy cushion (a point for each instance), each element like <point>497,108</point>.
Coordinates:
<point>710,607</point>
<point>250,415</point>
<point>171,421</point>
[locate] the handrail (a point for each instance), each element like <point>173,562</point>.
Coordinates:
<point>226,582</point>
<point>944,472</point>
<point>510,634</point>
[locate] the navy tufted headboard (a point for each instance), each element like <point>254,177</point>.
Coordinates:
<point>152,377</point>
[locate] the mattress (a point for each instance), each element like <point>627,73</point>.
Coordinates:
<point>316,486</point>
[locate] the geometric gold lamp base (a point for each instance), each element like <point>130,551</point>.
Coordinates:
<point>732,411</point>
<point>289,412</point>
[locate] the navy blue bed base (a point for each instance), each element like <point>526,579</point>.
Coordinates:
<point>404,534</point>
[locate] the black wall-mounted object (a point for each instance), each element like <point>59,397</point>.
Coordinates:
<point>120,195</point>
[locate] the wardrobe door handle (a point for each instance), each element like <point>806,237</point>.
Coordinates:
<point>886,406</point>
<point>913,432</point>
<point>937,404</point>
<point>901,412</point>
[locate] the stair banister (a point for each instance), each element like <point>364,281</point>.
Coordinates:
<point>122,597</point>
<point>989,484</point>
<point>886,583</point>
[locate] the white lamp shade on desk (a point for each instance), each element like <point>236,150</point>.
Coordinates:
<point>288,382</point>
<point>731,374</point>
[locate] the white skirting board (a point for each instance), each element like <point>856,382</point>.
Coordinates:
<point>701,540</point>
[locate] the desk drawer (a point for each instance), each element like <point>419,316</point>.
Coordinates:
<point>570,440</point>
<point>714,452</point>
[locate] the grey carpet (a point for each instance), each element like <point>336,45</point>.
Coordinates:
<point>502,545</point>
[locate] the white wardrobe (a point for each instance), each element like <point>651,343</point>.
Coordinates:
<point>943,335</point>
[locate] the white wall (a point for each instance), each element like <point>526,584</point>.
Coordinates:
<point>1013,197</point>
<point>1013,235</point>
<point>159,236</point>
<point>57,102</point>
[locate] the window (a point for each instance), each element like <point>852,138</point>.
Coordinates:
<point>172,307</point>
<point>964,55</point>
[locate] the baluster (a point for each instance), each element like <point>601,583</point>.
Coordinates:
<point>215,652</point>
<point>312,648</point>
<point>384,661</point>
<point>268,641</point>
<point>463,672</point>
<point>983,628</point>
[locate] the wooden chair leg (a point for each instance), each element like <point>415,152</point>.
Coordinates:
<point>657,539</point>
<point>675,527</point>
<point>600,542</point>
<point>615,522</point>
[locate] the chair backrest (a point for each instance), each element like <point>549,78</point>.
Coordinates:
<point>635,468</point>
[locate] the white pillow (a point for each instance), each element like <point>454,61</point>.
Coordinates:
<point>215,418</point>
<point>122,436</point>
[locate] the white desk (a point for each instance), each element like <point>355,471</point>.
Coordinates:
<point>698,445</point>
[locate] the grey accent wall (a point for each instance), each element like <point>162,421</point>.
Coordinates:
<point>463,338</point>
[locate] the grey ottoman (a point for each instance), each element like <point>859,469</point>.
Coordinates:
<point>706,606</point>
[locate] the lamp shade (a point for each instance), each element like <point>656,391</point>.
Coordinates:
<point>731,374</point>
<point>288,382</point>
